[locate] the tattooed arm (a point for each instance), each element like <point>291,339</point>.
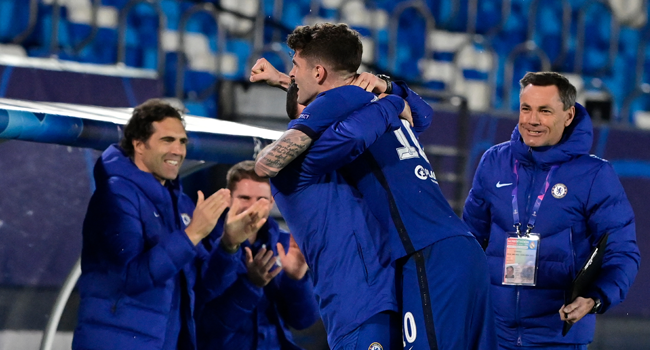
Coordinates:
<point>280,153</point>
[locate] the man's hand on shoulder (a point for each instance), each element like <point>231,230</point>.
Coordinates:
<point>264,71</point>
<point>370,83</point>
<point>206,214</point>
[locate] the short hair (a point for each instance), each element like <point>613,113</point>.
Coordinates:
<point>566,90</point>
<point>334,44</point>
<point>240,171</point>
<point>140,126</point>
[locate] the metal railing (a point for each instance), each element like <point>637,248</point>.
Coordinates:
<point>54,31</point>
<point>31,24</point>
<point>272,47</point>
<point>566,27</point>
<point>472,15</point>
<point>121,33</point>
<point>478,40</point>
<point>529,47</point>
<point>180,50</point>
<point>393,28</point>
<point>641,90</point>
<point>580,40</point>
<point>94,28</point>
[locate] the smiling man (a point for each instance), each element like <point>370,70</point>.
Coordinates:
<point>142,240</point>
<point>539,203</point>
<point>268,290</point>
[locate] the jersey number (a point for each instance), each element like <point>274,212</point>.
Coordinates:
<point>407,151</point>
<point>410,331</point>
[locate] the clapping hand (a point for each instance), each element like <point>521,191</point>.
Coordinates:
<point>293,261</point>
<point>260,268</point>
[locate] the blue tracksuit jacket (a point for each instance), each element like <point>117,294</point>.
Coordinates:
<point>570,225</point>
<point>138,265</point>
<point>245,316</point>
<point>393,175</point>
<point>353,276</point>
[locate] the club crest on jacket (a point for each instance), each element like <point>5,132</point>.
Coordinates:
<point>559,190</point>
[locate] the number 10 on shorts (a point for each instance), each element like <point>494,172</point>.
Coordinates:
<point>409,331</point>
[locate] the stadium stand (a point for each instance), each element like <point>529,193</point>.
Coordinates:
<point>473,48</point>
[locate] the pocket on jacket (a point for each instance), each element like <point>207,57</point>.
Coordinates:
<point>367,254</point>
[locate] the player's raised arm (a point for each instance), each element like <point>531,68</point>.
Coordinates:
<point>263,71</point>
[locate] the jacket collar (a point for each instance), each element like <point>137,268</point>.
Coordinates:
<point>576,140</point>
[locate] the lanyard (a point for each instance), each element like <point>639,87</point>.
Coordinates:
<point>538,201</point>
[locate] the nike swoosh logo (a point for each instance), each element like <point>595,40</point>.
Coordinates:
<point>155,214</point>
<point>499,184</point>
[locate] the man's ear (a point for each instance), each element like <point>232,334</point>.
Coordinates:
<point>138,145</point>
<point>320,73</point>
<point>571,115</point>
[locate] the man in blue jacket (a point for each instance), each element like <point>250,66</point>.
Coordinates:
<point>353,278</point>
<point>265,294</point>
<point>543,189</point>
<point>142,240</point>
<point>420,230</point>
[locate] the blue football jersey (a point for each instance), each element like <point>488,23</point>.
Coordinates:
<point>341,241</point>
<point>387,166</point>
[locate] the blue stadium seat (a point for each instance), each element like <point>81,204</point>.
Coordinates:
<point>242,49</point>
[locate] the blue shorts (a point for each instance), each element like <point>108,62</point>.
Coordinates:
<point>379,332</point>
<point>445,297</point>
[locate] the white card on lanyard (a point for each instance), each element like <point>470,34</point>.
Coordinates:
<point>520,263</point>
<point>522,249</point>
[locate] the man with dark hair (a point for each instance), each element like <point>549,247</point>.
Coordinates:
<point>353,278</point>
<point>268,290</point>
<point>420,230</point>
<point>541,202</point>
<point>142,240</point>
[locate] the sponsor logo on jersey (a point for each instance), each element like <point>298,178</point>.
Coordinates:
<point>186,219</point>
<point>499,184</point>
<point>423,173</point>
<point>303,116</point>
<point>559,191</point>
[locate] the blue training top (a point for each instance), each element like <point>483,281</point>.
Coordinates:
<point>353,275</point>
<point>393,175</point>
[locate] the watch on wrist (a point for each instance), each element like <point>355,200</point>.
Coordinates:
<point>386,78</point>
<point>596,307</point>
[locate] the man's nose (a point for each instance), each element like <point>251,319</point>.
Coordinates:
<point>178,148</point>
<point>533,118</point>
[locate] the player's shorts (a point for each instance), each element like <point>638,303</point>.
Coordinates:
<point>380,332</point>
<point>445,297</point>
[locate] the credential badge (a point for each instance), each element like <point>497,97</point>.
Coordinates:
<point>186,219</point>
<point>559,190</point>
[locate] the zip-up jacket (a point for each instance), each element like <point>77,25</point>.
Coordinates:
<point>584,200</point>
<point>139,268</point>
<point>246,316</point>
